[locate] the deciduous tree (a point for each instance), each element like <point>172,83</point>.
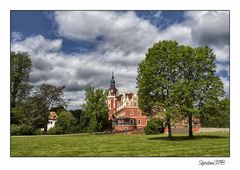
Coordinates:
<point>198,84</point>
<point>94,117</point>
<point>46,97</point>
<point>157,75</point>
<point>20,68</point>
<point>180,79</point>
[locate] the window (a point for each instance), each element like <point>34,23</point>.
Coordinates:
<point>139,122</point>
<point>131,112</point>
<point>131,122</point>
<point>139,113</point>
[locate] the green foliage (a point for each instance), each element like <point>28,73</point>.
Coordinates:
<point>20,68</point>
<point>18,115</point>
<point>46,97</point>
<point>179,78</point>
<point>77,114</point>
<point>22,129</point>
<point>57,130</point>
<point>198,84</point>
<point>95,111</point>
<point>66,123</point>
<point>217,115</point>
<point>154,126</point>
<point>157,75</point>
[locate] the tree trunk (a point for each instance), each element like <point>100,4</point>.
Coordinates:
<point>46,123</point>
<point>169,128</point>
<point>13,98</point>
<point>190,132</point>
<point>45,129</point>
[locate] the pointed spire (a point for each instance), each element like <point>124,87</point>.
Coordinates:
<point>112,81</point>
<point>112,91</point>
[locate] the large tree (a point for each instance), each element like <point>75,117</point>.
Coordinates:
<point>47,96</point>
<point>94,117</point>
<point>198,84</point>
<point>178,78</point>
<point>20,68</point>
<point>157,75</point>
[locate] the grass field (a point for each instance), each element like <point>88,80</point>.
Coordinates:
<point>204,144</point>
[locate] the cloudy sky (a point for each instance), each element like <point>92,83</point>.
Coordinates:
<point>81,48</point>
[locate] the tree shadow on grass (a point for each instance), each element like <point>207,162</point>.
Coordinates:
<point>182,138</point>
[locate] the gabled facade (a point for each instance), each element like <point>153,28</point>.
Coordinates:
<point>123,110</point>
<point>52,119</point>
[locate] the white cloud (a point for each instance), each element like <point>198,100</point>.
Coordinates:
<point>209,27</point>
<point>76,71</point>
<point>16,36</point>
<point>202,28</point>
<point>226,85</point>
<point>222,53</point>
<point>222,67</point>
<point>178,32</point>
<point>122,31</point>
<point>37,44</point>
<point>125,39</point>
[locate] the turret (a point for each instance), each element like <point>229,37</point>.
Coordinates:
<point>112,91</point>
<point>112,94</point>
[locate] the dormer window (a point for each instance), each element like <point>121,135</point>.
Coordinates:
<point>139,113</point>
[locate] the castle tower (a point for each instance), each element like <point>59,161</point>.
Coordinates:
<point>112,93</point>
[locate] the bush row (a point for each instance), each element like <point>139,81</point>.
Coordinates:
<point>23,129</point>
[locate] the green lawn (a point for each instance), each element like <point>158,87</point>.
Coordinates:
<point>204,144</point>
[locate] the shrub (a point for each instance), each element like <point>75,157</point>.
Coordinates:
<point>22,129</point>
<point>39,132</point>
<point>66,123</point>
<point>55,131</point>
<point>154,126</point>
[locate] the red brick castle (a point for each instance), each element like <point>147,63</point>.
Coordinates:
<point>125,115</point>
<point>123,110</point>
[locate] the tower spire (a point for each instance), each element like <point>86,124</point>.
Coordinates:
<point>112,91</point>
<point>112,81</point>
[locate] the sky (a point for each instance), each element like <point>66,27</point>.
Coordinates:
<point>82,48</point>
